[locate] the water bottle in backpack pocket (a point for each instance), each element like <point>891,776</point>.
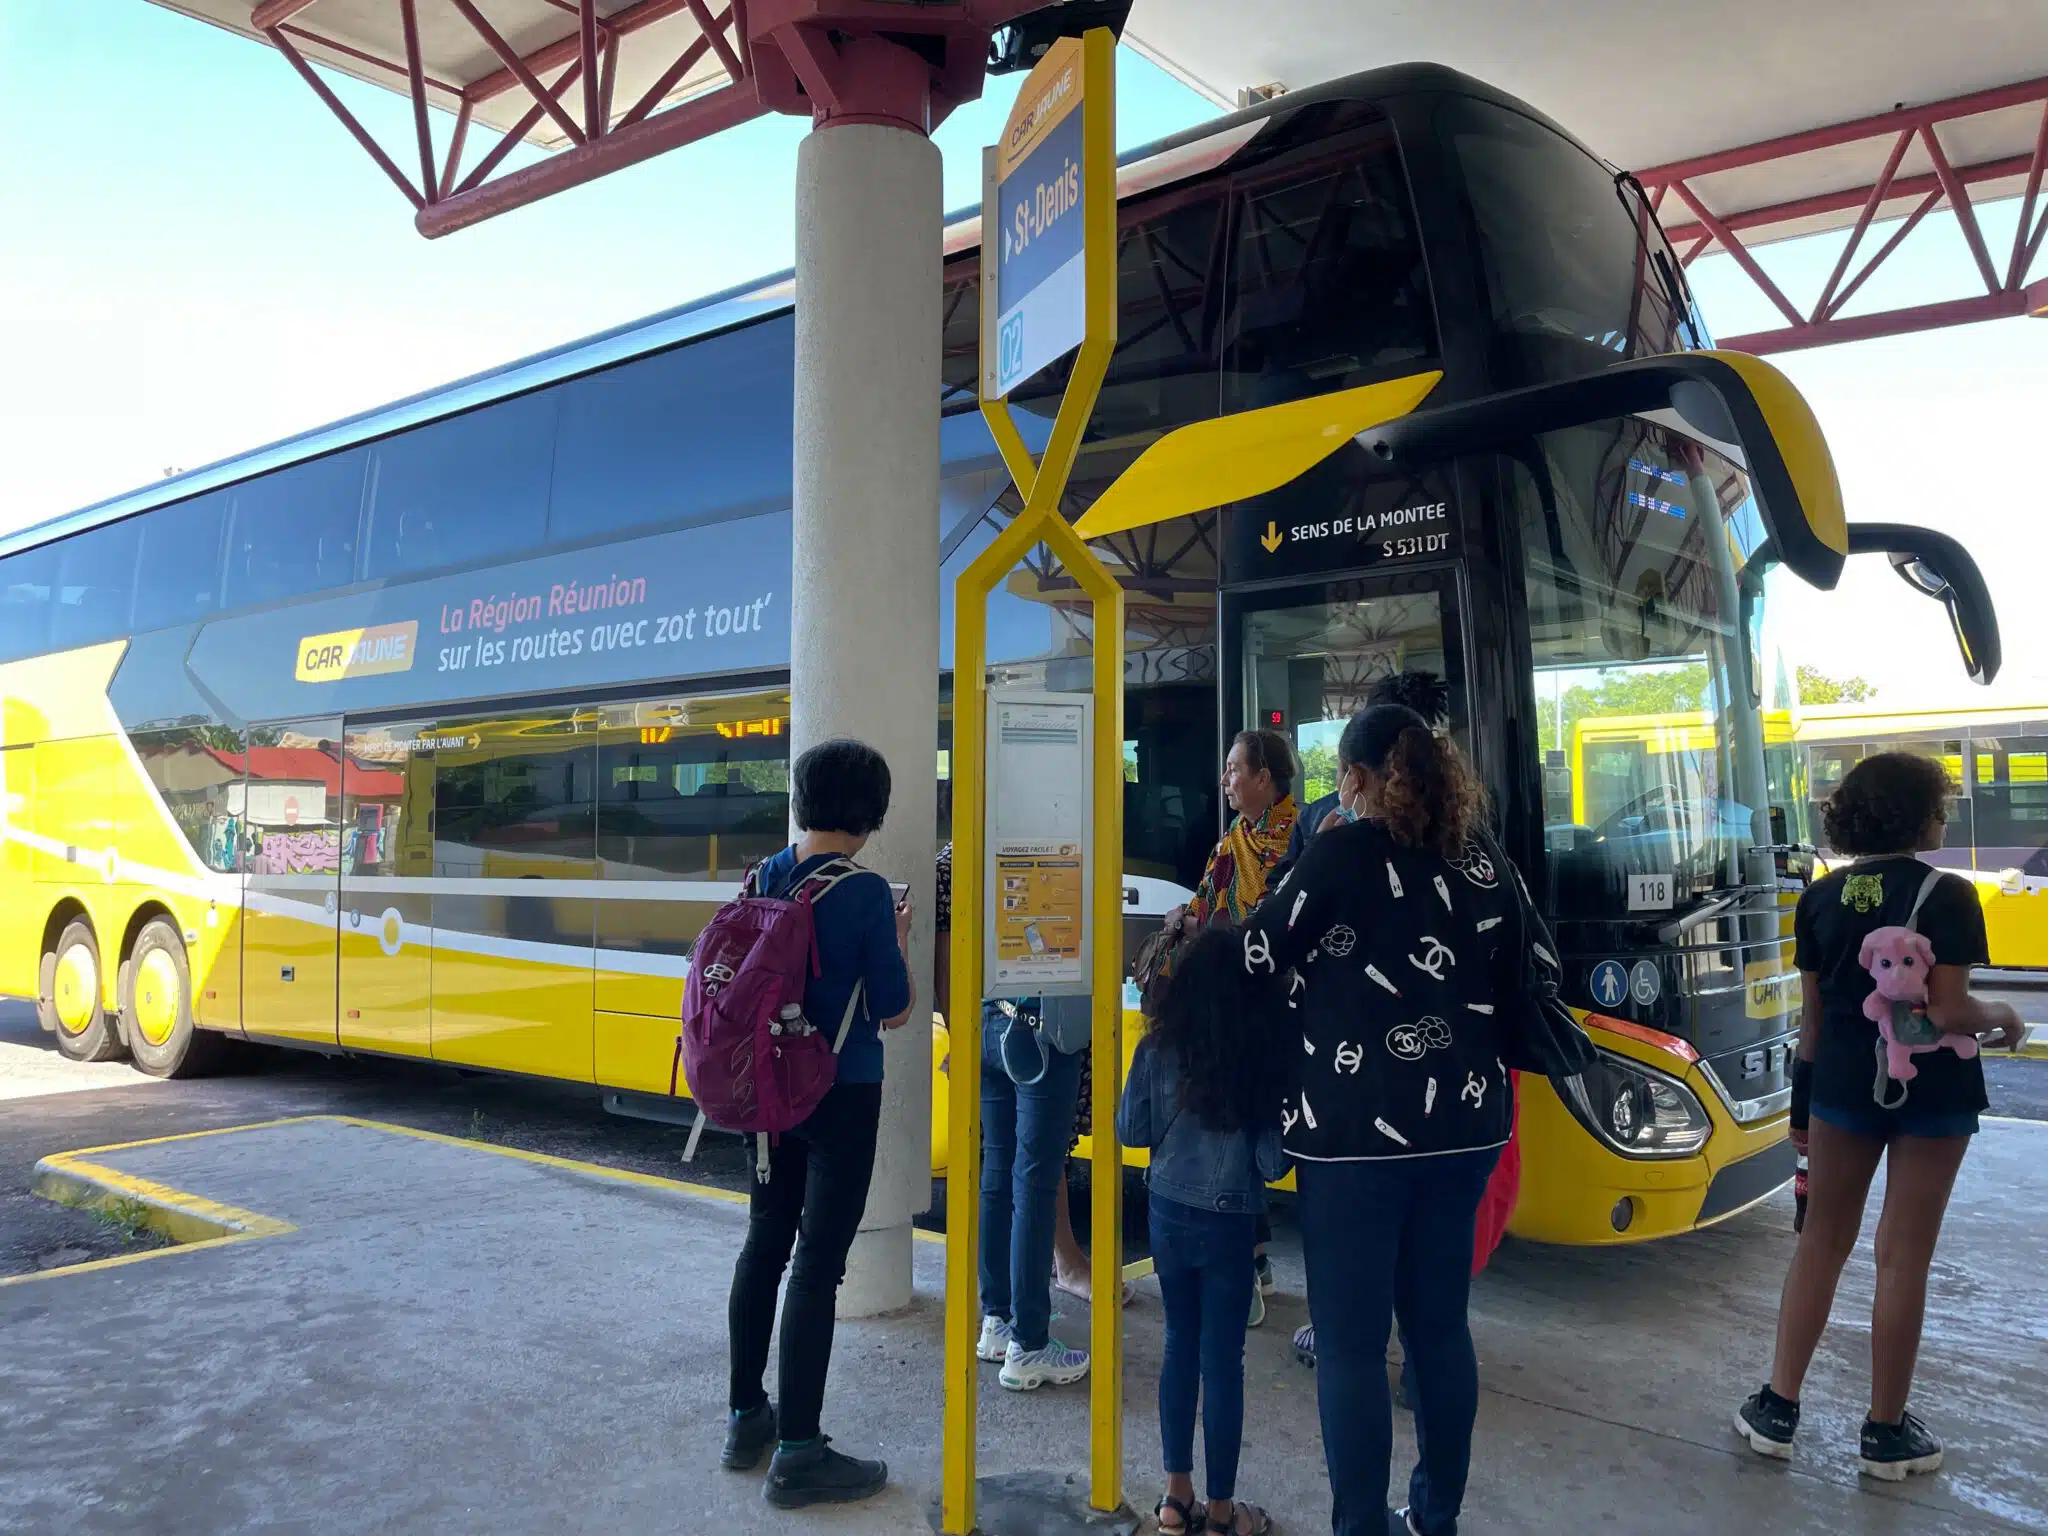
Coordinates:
<point>750,1059</point>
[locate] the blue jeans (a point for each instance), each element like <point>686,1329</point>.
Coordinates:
<point>1383,1239</point>
<point>1204,1263</point>
<point>1024,1138</point>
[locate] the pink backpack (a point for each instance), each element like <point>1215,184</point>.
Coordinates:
<point>749,1058</point>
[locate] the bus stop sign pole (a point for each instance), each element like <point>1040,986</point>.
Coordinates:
<point>1048,286</point>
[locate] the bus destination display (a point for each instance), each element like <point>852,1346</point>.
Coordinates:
<point>1375,525</point>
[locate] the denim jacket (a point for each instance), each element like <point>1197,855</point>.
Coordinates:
<point>1210,1170</point>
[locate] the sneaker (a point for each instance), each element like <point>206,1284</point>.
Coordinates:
<point>1305,1345</point>
<point>1898,1451</point>
<point>1025,1370</point>
<point>748,1437</point>
<point>817,1474</point>
<point>1258,1313</point>
<point>1262,1266</point>
<point>995,1338</point>
<point>1768,1422</point>
<point>1401,1522</point>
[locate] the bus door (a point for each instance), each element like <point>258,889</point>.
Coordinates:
<point>1307,655</point>
<point>387,916</point>
<point>291,859</point>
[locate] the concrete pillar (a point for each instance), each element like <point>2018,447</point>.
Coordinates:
<point>864,651</point>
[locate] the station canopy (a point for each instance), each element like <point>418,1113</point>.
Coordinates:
<point>1749,121</point>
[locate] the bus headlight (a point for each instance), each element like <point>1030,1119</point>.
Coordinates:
<point>1637,1110</point>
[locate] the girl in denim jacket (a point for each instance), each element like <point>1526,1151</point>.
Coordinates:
<point>1204,1097</point>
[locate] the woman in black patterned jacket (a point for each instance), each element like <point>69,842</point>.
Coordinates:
<point>1398,945</point>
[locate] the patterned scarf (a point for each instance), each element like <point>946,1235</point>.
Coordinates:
<point>1235,881</point>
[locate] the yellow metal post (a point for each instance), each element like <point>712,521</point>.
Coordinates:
<point>1042,485</point>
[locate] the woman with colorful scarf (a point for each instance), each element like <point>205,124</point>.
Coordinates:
<point>1258,782</point>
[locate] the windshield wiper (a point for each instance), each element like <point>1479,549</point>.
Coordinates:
<point>1683,924</point>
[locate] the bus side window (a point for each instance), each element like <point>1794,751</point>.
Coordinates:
<point>95,584</point>
<point>294,532</point>
<point>2012,803</point>
<point>464,489</point>
<point>26,583</point>
<point>177,577</point>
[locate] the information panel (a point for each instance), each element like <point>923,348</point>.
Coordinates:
<point>1037,932</point>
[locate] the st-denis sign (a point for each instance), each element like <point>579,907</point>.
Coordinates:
<point>1033,225</point>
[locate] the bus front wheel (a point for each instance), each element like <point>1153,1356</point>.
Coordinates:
<point>69,997</point>
<point>156,998</point>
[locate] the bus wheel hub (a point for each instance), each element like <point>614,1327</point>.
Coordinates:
<point>77,988</point>
<point>156,997</point>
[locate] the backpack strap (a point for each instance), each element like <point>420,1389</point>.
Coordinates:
<point>1926,890</point>
<point>832,874</point>
<point>846,1022</point>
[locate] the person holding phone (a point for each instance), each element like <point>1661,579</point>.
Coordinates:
<point>1890,808</point>
<point>817,1184</point>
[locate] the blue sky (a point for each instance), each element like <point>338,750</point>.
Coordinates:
<point>199,260</point>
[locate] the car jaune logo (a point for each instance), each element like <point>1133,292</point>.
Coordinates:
<point>358,652</point>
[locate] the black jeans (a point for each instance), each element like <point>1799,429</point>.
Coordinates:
<point>1383,1239</point>
<point>816,1191</point>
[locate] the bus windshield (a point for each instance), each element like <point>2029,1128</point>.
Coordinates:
<point>1577,273</point>
<point>1665,723</point>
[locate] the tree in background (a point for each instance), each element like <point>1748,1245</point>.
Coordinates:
<point>1816,687</point>
<point>1632,691</point>
<point>1318,773</point>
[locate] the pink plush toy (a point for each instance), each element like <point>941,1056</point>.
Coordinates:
<point>1898,960</point>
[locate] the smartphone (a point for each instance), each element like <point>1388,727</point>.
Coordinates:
<point>899,891</point>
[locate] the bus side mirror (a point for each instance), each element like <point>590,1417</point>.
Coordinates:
<point>1936,566</point>
<point>1730,397</point>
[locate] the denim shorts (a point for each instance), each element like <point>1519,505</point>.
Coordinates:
<point>1883,1124</point>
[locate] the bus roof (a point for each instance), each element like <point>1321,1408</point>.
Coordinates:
<point>1189,153</point>
<point>1873,720</point>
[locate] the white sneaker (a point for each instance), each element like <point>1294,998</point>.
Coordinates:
<point>1258,1313</point>
<point>995,1338</point>
<point>1025,1370</point>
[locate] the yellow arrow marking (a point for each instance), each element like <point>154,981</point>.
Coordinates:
<point>1272,537</point>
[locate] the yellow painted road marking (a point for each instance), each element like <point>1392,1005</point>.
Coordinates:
<point>193,1222</point>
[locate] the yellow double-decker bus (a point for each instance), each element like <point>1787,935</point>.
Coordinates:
<point>441,731</point>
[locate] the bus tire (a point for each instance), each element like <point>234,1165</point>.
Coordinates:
<point>70,997</point>
<point>156,1003</point>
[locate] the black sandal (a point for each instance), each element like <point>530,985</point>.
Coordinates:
<point>1189,1520</point>
<point>1262,1523</point>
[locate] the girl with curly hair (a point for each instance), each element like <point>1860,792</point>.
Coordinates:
<point>1848,1115</point>
<point>1204,1096</point>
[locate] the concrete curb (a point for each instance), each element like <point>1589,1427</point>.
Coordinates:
<point>68,1179</point>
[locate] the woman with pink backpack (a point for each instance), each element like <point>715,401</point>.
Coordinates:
<point>810,1195</point>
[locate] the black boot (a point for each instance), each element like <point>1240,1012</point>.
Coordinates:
<point>817,1474</point>
<point>748,1437</point>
